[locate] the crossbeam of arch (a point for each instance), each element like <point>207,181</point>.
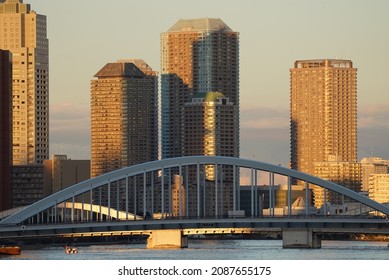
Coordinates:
<point>154,166</point>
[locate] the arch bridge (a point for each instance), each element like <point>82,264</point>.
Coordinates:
<point>195,187</point>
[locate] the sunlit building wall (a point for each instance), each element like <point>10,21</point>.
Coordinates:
<point>346,174</point>
<point>379,187</point>
<point>370,166</point>
<point>323,113</point>
<point>23,32</point>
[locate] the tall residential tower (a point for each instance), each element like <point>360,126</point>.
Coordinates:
<point>124,116</point>
<point>323,108</point>
<point>197,56</point>
<point>23,32</point>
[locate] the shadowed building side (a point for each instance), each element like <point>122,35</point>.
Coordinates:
<point>124,116</point>
<point>5,129</point>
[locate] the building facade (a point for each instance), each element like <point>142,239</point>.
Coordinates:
<point>379,188</point>
<point>5,129</point>
<point>23,32</point>
<point>27,184</point>
<point>124,116</point>
<point>197,55</point>
<point>61,172</point>
<point>209,128</point>
<point>323,113</point>
<point>346,174</point>
<point>372,165</point>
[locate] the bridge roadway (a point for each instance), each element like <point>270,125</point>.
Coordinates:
<point>317,225</point>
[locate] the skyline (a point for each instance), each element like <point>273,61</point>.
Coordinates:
<point>281,36</point>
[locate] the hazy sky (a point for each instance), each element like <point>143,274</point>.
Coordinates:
<point>84,35</point>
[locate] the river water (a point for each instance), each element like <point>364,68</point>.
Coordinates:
<point>201,249</point>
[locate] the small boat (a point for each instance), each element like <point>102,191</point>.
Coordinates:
<point>70,250</point>
<point>10,250</point>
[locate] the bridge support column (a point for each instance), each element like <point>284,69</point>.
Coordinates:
<point>300,238</point>
<point>166,238</point>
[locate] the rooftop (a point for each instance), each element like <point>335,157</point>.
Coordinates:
<point>119,69</point>
<point>200,24</point>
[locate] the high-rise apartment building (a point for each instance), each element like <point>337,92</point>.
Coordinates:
<point>323,111</point>
<point>124,116</point>
<point>209,127</point>
<point>197,56</point>
<point>23,32</point>
<point>323,108</point>
<point>5,129</point>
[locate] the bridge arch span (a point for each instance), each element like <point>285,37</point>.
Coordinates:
<point>179,163</point>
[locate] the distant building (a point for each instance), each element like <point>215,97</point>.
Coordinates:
<point>379,187</point>
<point>61,172</point>
<point>346,174</point>
<point>27,184</point>
<point>373,165</point>
<point>261,200</point>
<point>323,110</point>
<point>24,33</point>
<point>209,127</point>
<point>124,116</point>
<point>5,129</point>
<point>197,56</point>
<point>178,197</point>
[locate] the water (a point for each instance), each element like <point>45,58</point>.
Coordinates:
<point>201,249</point>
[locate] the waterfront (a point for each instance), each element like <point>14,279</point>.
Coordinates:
<point>203,249</point>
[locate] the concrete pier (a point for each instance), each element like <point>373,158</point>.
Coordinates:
<point>167,238</point>
<point>300,238</point>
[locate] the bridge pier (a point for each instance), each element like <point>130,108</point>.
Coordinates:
<point>167,238</point>
<point>300,238</point>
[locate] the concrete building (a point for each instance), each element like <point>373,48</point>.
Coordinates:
<point>124,116</point>
<point>347,174</point>
<point>5,129</point>
<point>323,108</point>
<point>379,187</point>
<point>323,112</point>
<point>209,127</point>
<point>23,32</point>
<point>27,184</point>
<point>372,165</point>
<point>197,56</point>
<point>61,172</point>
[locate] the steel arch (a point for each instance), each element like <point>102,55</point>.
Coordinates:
<point>93,183</point>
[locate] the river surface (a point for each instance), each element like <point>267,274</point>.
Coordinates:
<point>201,249</point>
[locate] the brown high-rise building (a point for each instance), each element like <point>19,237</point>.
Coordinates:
<point>323,110</point>
<point>124,116</point>
<point>23,32</point>
<point>5,129</point>
<point>197,56</point>
<point>209,128</point>
<point>323,106</point>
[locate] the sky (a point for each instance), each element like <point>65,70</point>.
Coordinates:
<point>84,35</point>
